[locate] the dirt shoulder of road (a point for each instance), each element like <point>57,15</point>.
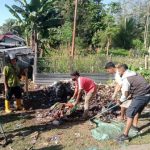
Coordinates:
<point>28,134</point>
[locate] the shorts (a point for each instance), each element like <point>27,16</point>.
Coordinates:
<point>137,105</point>
<point>126,104</point>
<point>16,91</point>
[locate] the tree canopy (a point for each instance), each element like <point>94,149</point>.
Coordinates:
<point>122,24</point>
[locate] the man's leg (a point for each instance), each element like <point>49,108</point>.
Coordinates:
<point>122,116</point>
<point>132,113</point>
<point>86,104</point>
<point>7,100</point>
<point>88,97</point>
<point>135,120</point>
<point>124,106</point>
<point>18,96</point>
<point>128,126</point>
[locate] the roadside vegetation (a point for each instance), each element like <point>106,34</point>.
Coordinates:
<point>117,31</point>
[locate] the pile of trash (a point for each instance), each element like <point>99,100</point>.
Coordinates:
<point>64,109</point>
<point>56,113</point>
<point>45,97</point>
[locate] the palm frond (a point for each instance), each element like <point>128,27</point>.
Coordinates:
<point>13,12</point>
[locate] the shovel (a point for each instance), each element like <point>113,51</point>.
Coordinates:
<point>100,114</point>
<point>4,135</point>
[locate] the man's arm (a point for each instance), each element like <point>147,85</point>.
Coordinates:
<point>125,90</point>
<point>117,89</point>
<point>118,81</point>
<point>75,93</point>
<point>78,96</point>
<point>5,72</point>
<point>5,84</point>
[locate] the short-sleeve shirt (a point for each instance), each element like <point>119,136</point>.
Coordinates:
<point>118,79</point>
<point>11,73</point>
<point>87,84</point>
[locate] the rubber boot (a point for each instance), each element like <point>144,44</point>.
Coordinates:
<point>7,107</point>
<point>18,104</point>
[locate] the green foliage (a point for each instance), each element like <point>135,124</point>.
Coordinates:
<point>90,14</point>
<point>60,63</point>
<point>137,44</point>
<point>66,33</point>
<point>11,26</point>
<point>37,15</point>
<point>144,72</point>
<point>127,33</point>
<point>119,52</point>
<point>99,26</point>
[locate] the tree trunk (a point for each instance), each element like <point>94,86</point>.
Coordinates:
<point>32,40</point>
<point>107,46</point>
<point>27,39</point>
<point>41,52</point>
<point>146,32</point>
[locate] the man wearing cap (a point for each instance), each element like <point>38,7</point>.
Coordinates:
<point>11,74</point>
<point>83,84</point>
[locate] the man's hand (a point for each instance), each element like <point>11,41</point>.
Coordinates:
<point>75,103</point>
<point>119,102</point>
<point>72,98</point>
<point>113,96</point>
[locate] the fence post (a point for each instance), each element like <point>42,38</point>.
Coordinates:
<point>35,63</point>
<point>146,62</point>
<point>110,57</point>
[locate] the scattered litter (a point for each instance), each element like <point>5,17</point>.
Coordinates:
<point>34,137</point>
<point>93,148</point>
<point>11,148</point>
<point>54,139</point>
<point>18,126</point>
<point>56,122</point>
<point>77,135</point>
<point>25,133</point>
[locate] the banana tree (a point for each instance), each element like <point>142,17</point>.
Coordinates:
<point>35,16</point>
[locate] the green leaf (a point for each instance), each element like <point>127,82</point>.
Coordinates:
<point>13,12</point>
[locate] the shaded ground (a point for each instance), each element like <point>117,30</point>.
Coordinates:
<point>28,134</point>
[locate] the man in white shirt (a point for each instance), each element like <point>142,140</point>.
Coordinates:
<point>112,69</point>
<point>139,89</point>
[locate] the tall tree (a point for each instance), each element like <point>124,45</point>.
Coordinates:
<point>36,16</point>
<point>10,26</point>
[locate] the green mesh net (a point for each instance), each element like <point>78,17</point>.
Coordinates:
<point>106,131</point>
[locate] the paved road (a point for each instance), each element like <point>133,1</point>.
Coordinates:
<point>50,78</point>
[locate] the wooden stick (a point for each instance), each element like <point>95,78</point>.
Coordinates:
<point>26,81</point>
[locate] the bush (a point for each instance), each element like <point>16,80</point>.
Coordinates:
<point>145,73</point>
<point>119,52</point>
<point>137,44</point>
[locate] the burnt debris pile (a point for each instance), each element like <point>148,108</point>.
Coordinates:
<point>99,103</point>
<point>46,97</point>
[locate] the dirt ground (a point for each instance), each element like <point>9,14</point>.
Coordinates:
<point>27,133</point>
